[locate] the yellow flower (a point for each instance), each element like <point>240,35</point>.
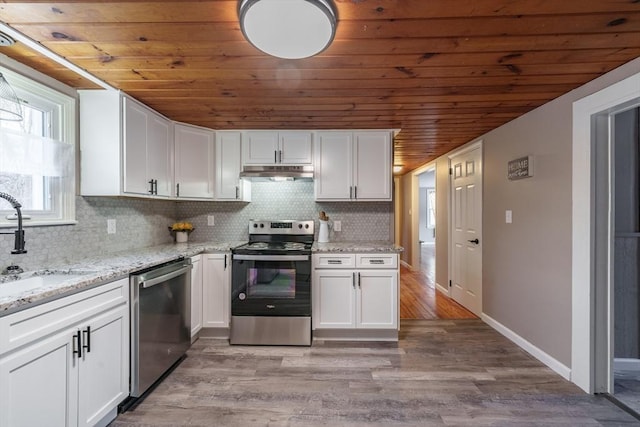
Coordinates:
<point>182,226</point>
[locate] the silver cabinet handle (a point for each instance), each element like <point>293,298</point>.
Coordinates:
<point>351,192</point>
<point>150,186</point>
<point>334,261</point>
<point>359,284</point>
<point>280,152</point>
<point>177,190</point>
<point>355,192</point>
<point>376,261</point>
<point>275,156</point>
<point>237,192</point>
<point>353,279</point>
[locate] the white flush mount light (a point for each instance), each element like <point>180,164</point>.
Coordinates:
<point>291,29</point>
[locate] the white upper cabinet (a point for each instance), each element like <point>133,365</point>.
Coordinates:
<point>353,166</point>
<point>333,166</point>
<point>126,148</point>
<point>229,186</point>
<point>372,165</point>
<point>277,147</point>
<point>194,162</point>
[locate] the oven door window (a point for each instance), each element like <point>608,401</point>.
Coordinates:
<point>264,281</point>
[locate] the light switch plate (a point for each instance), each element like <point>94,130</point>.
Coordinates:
<point>210,220</point>
<point>508,216</point>
<point>337,225</point>
<point>111,226</point>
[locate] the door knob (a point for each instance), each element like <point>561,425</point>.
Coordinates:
<point>476,241</point>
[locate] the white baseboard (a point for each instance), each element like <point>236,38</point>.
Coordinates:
<point>406,265</point>
<point>442,289</point>
<point>624,364</point>
<point>543,357</point>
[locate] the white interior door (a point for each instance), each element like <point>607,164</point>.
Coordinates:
<point>466,224</point>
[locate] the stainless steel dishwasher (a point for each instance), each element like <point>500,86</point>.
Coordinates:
<point>160,321</point>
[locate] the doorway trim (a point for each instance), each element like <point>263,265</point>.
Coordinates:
<point>589,114</point>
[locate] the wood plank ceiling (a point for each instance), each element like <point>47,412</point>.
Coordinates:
<point>442,71</point>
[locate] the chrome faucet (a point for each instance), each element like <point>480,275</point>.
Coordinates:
<point>19,233</point>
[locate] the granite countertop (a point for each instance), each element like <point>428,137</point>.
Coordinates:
<point>93,271</point>
<point>356,247</point>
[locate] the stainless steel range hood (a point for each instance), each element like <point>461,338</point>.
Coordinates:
<point>275,172</point>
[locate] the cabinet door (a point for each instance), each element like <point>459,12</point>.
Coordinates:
<point>160,154</point>
<point>333,299</point>
<point>372,168</point>
<point>295,148</point>
<point>196,295</point>
<point>39,384</point>
<point>333,165</point>
<point>135,178</point>
<point>228,165</point>
<point>260,147</point>
<point>215,291</point>
<point>104,367</point>
<point>377,299</point>
<point>194,148</point>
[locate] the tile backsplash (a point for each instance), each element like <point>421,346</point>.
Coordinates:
<point>142,223</point>
<point>361,221</point>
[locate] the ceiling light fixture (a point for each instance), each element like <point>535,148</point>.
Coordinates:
<point>10,107</point>
<point>291,29</point>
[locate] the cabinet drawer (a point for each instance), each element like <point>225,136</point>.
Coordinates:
<point>377,261</point>
<point>334,261</point>
<point>35,323</point>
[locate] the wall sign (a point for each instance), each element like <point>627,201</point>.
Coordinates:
<point>520,168</point>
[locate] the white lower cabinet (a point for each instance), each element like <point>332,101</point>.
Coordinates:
<point>66,363</point>
<point>364,297</point>
<point>196,295</point>
<point>216,292</point>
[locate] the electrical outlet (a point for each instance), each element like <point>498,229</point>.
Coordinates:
<point>337,225</point>
<point>508,216</point>
<point>111,226</point>
<point>210,220</point>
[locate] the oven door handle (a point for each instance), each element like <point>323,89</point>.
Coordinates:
<point>156,280</point>
<point>271,257</point>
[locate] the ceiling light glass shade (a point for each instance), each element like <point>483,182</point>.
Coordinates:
<point>291,29</point>
<point>10,108</point>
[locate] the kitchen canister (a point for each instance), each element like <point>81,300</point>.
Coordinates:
<point>323,233</point>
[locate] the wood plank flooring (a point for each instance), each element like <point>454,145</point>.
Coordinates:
<point>440,373</point>
<point>419,298</point>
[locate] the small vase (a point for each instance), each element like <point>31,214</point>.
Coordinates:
<point>182,237</point>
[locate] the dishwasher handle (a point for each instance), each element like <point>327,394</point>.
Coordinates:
<point>160,279</point>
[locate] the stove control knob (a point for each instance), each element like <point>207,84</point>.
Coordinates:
<point>306,226</point>
<point>299,225</point>
<point>255,225</point>
<point>261,225</point>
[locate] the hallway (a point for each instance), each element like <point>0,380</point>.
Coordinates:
<point>419,298</point>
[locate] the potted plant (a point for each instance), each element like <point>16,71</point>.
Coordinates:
<point>181,231</point>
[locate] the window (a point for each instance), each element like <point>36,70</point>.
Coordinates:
<point>37,156</point>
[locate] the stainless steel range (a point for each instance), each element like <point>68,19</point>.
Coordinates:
<point>271,284</point>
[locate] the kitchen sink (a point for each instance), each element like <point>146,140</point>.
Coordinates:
<point>36,281</point>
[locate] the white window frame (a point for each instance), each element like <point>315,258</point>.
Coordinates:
<point>63,128</point>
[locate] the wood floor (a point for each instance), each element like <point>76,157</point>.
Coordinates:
<point>440,373</point>
<point>419,298</point>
